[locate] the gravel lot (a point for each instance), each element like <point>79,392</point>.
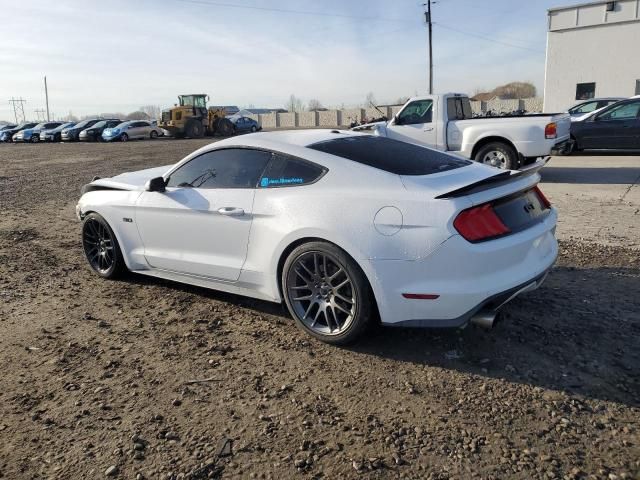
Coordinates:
<point>99,375</point>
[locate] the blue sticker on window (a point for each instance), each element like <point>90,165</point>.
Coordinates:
<point>266,181</point>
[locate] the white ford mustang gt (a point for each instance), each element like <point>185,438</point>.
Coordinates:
<point>344,227</point>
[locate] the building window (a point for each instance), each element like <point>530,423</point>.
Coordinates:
<point>585,91</point>
<point>637,87</point>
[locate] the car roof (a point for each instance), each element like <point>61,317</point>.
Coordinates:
<point>299,138</point>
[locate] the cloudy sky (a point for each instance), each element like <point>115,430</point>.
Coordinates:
<point>116,55</point>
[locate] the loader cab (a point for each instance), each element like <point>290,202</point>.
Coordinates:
<point>197,102</point>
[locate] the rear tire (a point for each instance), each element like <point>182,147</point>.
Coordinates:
<point>327,293</point>
<point>225,127</point>
<point>35,138</point>
<point>101,248</point>
<point>254,129</point>
<point>499,155</point>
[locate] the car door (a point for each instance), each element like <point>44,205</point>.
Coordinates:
<point>200,224</point>
<point>414,124</point>
<point>144,129</point>
<point>614,128</point>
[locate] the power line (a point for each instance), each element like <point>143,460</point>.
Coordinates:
<point>488,39</point>
<point>284,10</point>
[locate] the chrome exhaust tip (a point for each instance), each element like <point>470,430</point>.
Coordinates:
<point>485,319</point>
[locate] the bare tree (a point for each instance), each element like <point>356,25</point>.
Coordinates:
<point>152,111</point>
<point>137,115</point>
<point>314,104</point>
<point>294,104</point>
<point>370,100</point>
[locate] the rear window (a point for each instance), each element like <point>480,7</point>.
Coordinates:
<point>390,155</point>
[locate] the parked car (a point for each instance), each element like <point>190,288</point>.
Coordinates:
<point>445,122</point>
<point>7,135</point>
<point>54,134</point>
<point>131,130</point>
<point>94,132</point>
<point>33,134</point>
<point>589,106</point>
<point>244,124</point>
<point>616,127</point>
<point>406,234</point>
<point>8,126</point>
<point>72,134</point>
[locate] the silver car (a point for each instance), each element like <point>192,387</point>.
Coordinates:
<point>131,130</point>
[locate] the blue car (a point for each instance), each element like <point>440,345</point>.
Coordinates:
<point>33,134</point>
<point>244,125</point>
<point>7,135</point>
<point>55,134</point>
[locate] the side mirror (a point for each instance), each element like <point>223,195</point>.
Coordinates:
<point>155,185</point>
<point>397,120</point>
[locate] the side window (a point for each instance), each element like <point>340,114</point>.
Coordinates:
<point>144,124</point>
<point>622,112</point>
<point>285,171</point>
<point>455,109</point>
<point>228,168</point>
<point>586,107</point>
<point>419,111</point>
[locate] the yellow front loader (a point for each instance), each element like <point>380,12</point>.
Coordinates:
<point>191,118</point>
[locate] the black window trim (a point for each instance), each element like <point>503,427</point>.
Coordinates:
<point>257,185</point>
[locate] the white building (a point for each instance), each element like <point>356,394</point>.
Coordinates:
<point>593,50</point>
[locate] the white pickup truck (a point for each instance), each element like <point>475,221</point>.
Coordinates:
<point>445,122</point>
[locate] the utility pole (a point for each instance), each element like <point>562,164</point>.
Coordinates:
<point>427,16</point>
<point>39,111</point>
<point>46,94</point>
<point>18,106</point>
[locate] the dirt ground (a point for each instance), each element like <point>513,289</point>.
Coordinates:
<point>142,378</point>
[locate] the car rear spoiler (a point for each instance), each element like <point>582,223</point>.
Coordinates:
<point>496,180</point>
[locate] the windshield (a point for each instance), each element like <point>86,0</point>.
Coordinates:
<point>41,125</point>
<point>100,124</point>
<point>83,123</point>
<point>122,125</point>
<point>67,125</point>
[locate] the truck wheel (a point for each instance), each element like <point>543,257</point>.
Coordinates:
<point>225,128</point>
<point>499,155</point>
<point>194,129</point>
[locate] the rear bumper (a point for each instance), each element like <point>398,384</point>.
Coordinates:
<point>562,148</point>
<point>466,277</point>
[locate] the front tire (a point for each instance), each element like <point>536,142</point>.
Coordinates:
<point>101,248</point>
<point>327,293</point>
<point>194,129</point>
<point>35,138</point>
<point>153,135</point>
<point>124,137</point>
<point>499,155</point>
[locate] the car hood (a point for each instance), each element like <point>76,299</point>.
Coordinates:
<point>131,180</point>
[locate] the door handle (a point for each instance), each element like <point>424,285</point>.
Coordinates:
<point>428,129</point>
<point>231,211</point>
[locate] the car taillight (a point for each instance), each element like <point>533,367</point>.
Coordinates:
<point>545,202</point>
<point>551,130</point>
<point>480,223</point>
